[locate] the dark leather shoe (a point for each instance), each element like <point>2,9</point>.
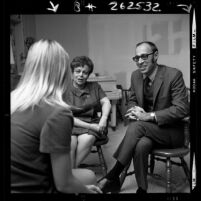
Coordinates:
<point>141,191</point>
<point>111,186</point>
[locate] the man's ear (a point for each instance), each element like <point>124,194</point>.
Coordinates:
<point>156,54</point>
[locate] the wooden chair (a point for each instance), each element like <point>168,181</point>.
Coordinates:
<point>97,148</point>
<point>125,98</point>
<point>165,155</point>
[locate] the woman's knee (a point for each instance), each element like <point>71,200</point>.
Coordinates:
<point>87,139</point>
<point>91,176</point>
<point>92,139</point>
<point>86,176</point>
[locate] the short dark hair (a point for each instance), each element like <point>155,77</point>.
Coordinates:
<point>82,61</point>
<point>152,45</point>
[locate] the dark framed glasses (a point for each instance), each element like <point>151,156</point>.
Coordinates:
<point>142,56</point>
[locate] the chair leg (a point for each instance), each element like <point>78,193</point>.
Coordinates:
<point>102,160</point>
<point>152,163</point>
<point>186,169</point>
<point>169,175</point>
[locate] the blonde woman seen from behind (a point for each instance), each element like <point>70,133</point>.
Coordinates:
<point>41,127</point>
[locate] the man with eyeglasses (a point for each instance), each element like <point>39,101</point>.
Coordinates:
<point>157,103</point>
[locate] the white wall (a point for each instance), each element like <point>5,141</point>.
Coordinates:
<point>109,40</point>
<point>69,30</point>
<point>112,40</point>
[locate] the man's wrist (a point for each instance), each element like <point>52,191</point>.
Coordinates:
<point>153,116</point>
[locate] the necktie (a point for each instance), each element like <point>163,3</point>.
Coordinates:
<point>147,85</point>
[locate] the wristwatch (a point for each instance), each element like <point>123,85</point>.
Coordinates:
<point>152,114</point>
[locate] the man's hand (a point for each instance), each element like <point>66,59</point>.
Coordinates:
<point>133,113</point>
<point>138,113</point>
<point>136,109</point>
<point>143,116</point>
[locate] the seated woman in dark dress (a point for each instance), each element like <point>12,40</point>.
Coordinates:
<point>41,127</point>
<point>87,98</point>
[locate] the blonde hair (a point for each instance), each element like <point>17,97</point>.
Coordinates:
<point>45,77</point>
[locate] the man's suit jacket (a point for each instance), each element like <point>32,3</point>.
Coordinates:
<point>170,98</point>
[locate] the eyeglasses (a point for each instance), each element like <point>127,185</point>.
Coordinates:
<point>142,56</point>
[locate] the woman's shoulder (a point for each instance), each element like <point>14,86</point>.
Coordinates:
<point>61,110</point>
<point>52,110</point>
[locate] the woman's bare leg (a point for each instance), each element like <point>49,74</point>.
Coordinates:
<point>85,143</point>
<point>74,141</point>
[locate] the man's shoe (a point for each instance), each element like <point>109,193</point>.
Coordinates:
<point>141,191</point>
<point>110,186</point>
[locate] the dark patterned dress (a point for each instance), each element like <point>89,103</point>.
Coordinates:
<point>85,105</point>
